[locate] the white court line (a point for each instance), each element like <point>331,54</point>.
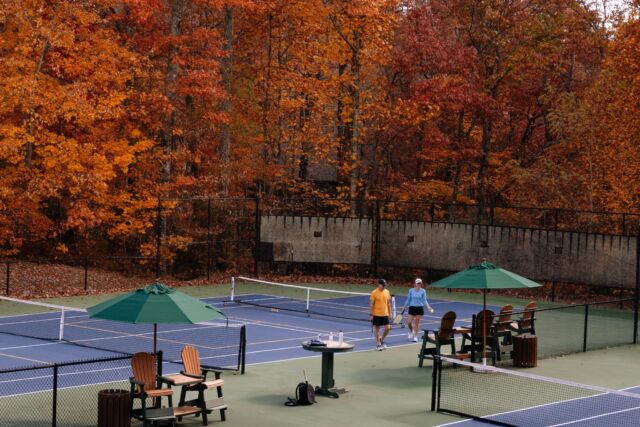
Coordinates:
<point>24,358</point>
<point>597,416</point>
<point>541,406</point>
<point>169,362</point>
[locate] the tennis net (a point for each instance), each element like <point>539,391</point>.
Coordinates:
<point>513,398</point>
<point>220,345</point>
<point>275,296</point>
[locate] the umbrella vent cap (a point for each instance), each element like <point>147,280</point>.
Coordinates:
<point>156,289</point>
<point>484,265</point>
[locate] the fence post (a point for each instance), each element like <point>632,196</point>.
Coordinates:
<point>208,238</point>
<point>54,413</point>
<point>158,237</point>
<point>376,238</point>
<point>553,291</point>
<point>636,302</point>
<point>8,279</point>
<point>256,248</point>
<point>555,220</point>
<point>159,361</point>
<point>86,273</point>
<point>586,327</point>
<point>491,209</point>
<point>624,223</point>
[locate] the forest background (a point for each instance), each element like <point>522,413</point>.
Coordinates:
<point>107,106</point>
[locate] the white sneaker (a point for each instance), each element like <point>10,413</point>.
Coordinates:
<point>384,346</point>
<point>379,347</point>
<point>415,338</point>
<point>410,335</point>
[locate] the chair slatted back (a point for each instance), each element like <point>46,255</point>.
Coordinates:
<point>143,366</point>
<point>446,325</point>
<point>527,316</point>
<point>191,360</point>
<point>484,317</point>
<point>504,319</point>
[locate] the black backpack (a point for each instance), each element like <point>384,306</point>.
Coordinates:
<point>305,395</point>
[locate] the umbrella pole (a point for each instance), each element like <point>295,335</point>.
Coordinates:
<point>484,327</point>
<point>155,336</point>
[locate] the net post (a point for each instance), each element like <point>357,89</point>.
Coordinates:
<point>61,327</point>
<point>586,327</point>
<point>54,413</point>
<point>243,349</point>
<point>233,288</point>
<point>434,382</point>
<point>393,306</point>
<point>308,296</point>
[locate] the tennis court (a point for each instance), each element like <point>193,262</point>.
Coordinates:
<point>275,320</point>
<point>503,397</point>
<point>272,335</point>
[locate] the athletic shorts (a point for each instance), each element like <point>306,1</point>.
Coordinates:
<point>380,320</point>
<point>416,311</point>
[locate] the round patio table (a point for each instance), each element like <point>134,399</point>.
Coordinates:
<point>327,387</point>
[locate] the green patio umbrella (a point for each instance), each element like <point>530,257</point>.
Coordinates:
<point>485,276</point>
<point>156,303</point>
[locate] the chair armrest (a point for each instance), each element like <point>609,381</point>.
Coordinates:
<point>199,377</point>
<point>217,372</point>
<point>135,382</point>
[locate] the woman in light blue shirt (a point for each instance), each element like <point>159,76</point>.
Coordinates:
<point>416,301</point>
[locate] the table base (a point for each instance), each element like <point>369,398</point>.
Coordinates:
<point>330,392</point>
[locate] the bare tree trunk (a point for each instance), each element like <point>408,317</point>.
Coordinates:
<point>226,68</point>
<point>172,74</point>
<point>28,157</point>
<point>354,133</point>
<point>482,170</point>
<point>266,103</point>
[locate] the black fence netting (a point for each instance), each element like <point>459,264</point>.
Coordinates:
<point>572,328</point>
<point>64,394</point>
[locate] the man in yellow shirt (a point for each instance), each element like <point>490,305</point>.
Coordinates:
<point>380,312</point>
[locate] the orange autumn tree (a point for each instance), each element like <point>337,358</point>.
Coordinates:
<point>601,129</point>
<point>308,91</point>
<point>491,73</point>
<point>64,137</point>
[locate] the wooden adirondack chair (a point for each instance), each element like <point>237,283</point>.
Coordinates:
<point>193,369</point>
<point>503,324</point>
<point>526,324</point>
<point>476,337</point>
<point>442,336</point>
<point>145,383</point>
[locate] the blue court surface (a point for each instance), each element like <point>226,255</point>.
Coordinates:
<point>603,410</point>
<point>271,336</point>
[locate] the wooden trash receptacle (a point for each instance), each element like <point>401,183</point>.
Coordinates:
<point>114,408</point>
<point>525,351</point>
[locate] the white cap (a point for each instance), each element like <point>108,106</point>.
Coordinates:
<point>418,280</point>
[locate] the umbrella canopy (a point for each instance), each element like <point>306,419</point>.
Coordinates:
<point>155,304</point>
<point>485,276</point>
